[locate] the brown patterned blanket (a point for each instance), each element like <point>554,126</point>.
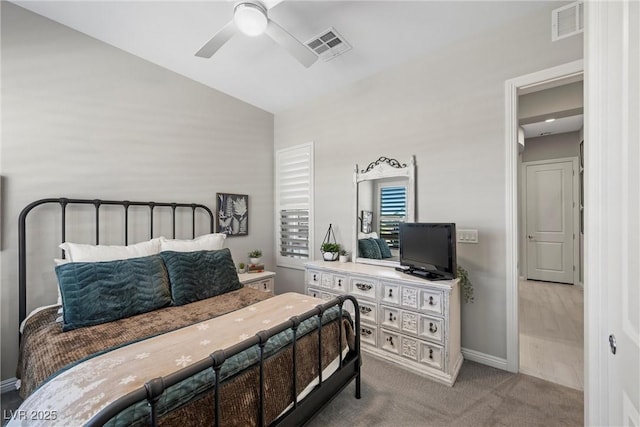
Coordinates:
<point>46,349</point>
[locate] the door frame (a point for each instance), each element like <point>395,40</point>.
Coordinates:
<point>575,210</point>
<point>512,87</point>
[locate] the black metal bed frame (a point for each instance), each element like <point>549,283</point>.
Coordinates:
<point>301,412</point>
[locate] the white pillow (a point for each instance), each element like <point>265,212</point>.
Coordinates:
<point>372,235</point>
<point>78,252</point>
<point>60,261</point>
<point>208,242</point>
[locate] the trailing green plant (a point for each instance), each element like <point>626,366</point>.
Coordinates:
<point>256,253</point>
<point>465,284</point>
<point>330,247</point>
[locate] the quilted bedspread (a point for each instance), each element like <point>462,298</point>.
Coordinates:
<point>78,392</point>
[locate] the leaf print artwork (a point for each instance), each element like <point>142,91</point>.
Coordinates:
<point>233,214</point>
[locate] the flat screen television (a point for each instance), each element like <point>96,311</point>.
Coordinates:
<point>428,249</point>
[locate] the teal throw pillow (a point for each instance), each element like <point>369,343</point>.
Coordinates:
<point>201,274</point>
<point>369,249</point>
<point>384,248</point>
<point>100,292</point>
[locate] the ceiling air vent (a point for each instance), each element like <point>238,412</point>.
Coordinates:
<point>328,44</point>
<point>567,20</point>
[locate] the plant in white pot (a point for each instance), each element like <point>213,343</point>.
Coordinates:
<point>330,251</point>
<point>344,255</point>
<point>254,256</point>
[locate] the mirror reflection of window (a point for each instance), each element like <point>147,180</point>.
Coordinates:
<point>392,211</point>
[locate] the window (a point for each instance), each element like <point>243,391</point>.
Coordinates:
<point>393,211</point>
<point>294,205</point>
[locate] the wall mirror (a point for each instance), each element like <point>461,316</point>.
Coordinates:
<point>384,197</point>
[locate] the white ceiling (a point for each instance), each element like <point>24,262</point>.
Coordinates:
<point>258,71</point>
<point>560,125</point>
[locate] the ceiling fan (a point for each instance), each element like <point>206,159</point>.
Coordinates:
<point>250,17</point>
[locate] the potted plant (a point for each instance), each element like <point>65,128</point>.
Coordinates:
<point>465,284</point>
<point>344,255</point>
<point>241,267</point>
<point>254,256</point>
<point>330,251</point>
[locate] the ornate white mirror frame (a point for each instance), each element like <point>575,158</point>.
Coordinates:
<point>366,183</point>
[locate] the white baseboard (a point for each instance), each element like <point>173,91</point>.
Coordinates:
<point>8,385</point>
<point>485,359</point>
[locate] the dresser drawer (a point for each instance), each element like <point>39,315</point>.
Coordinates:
<point>265,285</point>
<point>313,292</point>
<point>363,287</point>
<point>326,280</point>
<point>390,341</point>
<point>313,277</point>
<point>431,328</point>
<point>431,301</point>
<point>390,293</point>
<point>409,297</point>
<point>368,334</point>
<point>431,355</point>
<point>326,296</point>
<point>410,348</point>
<point>340,283</point>
<point>389,317</point>
<point>368,312</point>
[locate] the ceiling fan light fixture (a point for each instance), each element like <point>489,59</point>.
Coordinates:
<point>250,18</point>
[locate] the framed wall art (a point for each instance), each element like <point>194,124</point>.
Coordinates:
<point>233,214</point>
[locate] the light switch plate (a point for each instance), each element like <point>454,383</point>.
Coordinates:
<point>467,236</point>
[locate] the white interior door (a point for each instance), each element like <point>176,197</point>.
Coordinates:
<point>612,222</point>
<point>549,221</point>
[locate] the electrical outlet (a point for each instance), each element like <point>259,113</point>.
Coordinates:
<point>467,236</point>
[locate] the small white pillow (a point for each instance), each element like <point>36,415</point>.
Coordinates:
<point>60,261</point>
<point>78,252</point>
<point>372,235</point>
<point>208,242</point>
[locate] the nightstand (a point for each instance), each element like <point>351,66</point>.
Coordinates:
<point>263,281</point>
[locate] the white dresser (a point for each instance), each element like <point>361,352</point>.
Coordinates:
<point>406,320</point>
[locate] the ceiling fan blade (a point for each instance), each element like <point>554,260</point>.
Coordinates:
<point>270,3</point>
<point>291,44</point>
<point>217,41</point>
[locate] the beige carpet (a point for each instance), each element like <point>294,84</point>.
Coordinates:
<point>482,396</point>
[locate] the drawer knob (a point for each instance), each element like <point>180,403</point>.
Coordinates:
<point>390,293</point>
<point>431,354</point>
<point>264,285</point>
<point>390,340</point>
<point>365,331</point>
<point>433,328</point>
<point>392,317</point>
<point>315,278</point>
<point>339,282</point>
<point>363,286</point>
<point>365,310</point>
<point>431,302</point>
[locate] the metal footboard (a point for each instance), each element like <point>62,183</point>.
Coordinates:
<point>300,412</point>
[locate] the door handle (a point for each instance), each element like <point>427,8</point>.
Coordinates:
<point>530,236</point>
<point>612,344</point>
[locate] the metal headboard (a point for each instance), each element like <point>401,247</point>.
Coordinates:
<point>64,202</point>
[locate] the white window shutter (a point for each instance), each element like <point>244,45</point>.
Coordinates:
<point>294,205</point>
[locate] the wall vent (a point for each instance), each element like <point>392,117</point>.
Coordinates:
<point>567,20</point>
<point>328,44</point>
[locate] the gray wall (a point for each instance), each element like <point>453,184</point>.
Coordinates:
<point>447,108</point>
<point>83,119</point>
<point>551,147</point>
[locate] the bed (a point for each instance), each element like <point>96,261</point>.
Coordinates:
<point>174,353</point>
